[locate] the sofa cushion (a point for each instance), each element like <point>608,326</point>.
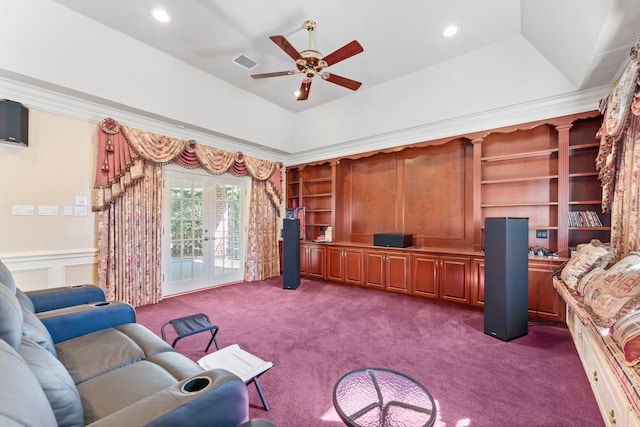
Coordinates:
<point>17,384</point>
<point>6,278</point>
<point>114,390</point>
<point>589,256</point>
<point>33,329</point>
<point>25,301</point>
<point>626,332</point>
<point>178,365</point>
<point>10,318</point>
<point>99,352</point>
<point>619,291</point>
<point>54,379</point>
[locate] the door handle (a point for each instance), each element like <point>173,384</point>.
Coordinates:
<point>206,238</point>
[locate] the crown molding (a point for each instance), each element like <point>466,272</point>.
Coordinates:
<point>56,100</point>
<point>46,97</point>
<point>556,106</point>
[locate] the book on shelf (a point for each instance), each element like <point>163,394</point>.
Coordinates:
<point>584,219</point>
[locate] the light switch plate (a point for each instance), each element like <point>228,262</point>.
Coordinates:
<point>81,201</point>
<point>68,210</point>
<point>81,211</point>
<point>47,210</point>
<point>23,210</point>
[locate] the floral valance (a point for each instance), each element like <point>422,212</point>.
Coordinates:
<point>618,108</point>
<point>123,152</point>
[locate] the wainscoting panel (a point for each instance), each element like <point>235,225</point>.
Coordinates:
<point>41,270</point>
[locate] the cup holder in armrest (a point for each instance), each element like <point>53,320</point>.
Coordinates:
<point>195,384</point>
<point>100,304</point>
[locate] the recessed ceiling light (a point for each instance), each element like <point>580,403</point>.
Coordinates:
<point>161,15</point>
<point>451,31</point>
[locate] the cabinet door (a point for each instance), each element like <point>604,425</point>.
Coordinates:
<point>397,277</point>
<point>477,283</point>
<point>454,279</point>
<point>425,275</point>
<point>375,269</point>
<point>316,261</point>
<point>335,264</point>
<point>353,266</point>
<point>544,301</point>
<point>304,260</point>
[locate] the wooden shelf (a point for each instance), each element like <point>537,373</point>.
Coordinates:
<point>584,146</point>
<point>518,204</point>
<point>316,180</point>
<point>317,210</point>
<point>585,202</point>
<point>583,174</point>
<point>508,180</point>
<point>522,155</point>
<point>590,228</point>
<point>306,196</point>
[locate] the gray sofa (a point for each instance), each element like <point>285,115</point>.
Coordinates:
<point>69,358</point>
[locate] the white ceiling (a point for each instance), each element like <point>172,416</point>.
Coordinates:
<point>512,62</point>
<point>582,39</point>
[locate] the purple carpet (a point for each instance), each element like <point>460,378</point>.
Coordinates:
<point>321,331</point>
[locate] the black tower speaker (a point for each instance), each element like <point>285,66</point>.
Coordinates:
<point>291,253</point>
<point>506,280</point>
<point>14,122</point>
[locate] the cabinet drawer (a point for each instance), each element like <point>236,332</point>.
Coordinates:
<point>611,400</point>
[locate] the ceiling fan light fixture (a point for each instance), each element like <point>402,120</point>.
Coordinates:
<point>451,30</point>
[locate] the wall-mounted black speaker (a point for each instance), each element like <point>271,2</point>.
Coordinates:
<point>14,122</point>
<point>506,277</point>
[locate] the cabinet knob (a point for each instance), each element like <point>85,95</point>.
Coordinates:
<point>580,335</point>
<point>595,375</point>
<point>612,417</point>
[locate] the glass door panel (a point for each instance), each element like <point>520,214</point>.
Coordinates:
<point>205,242</point>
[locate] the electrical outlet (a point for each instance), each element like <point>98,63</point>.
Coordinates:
<point>542,234</point>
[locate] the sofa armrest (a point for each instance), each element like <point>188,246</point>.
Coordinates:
<point>66,323</point>
<point>67,296</point>
<point>211,398</point>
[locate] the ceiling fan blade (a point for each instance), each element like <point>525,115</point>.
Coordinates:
<point>284,44</point>
<point>276,74</point>
<point>346,51</point>
<point>342,81</point>
<point>304,90</point>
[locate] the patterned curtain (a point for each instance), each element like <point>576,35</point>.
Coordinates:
<point>263,260</point>
<point>129,242</point>
<point>618,161</point>
<point>128,197</point>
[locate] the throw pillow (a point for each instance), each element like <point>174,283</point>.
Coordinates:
<point>626,332</point>
<point>594,254</point>
<point>56,382</point>
<point>585,284</point>
<point>619,291</point>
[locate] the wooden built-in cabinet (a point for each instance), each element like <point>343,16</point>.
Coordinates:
<point>312,260</point>
<point>543,300</point>
<point>445,277</point>
<point>311,188</point>
<point>344,264</point>
<point>441,192</point>
<point>388,270</point>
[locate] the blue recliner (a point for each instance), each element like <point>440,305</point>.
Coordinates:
<point>89,363</point>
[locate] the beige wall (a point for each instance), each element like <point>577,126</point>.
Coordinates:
<point>57,166</point>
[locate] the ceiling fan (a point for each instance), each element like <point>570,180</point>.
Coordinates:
<point>311,62</point>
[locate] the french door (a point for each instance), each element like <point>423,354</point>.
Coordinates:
<point>204,236</point>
